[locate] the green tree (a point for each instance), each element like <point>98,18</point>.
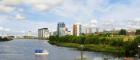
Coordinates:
<point>131,47</point>
<point>137,32</point>
<point>122,32</point>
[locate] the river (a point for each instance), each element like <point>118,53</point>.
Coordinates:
<point>23,49</point>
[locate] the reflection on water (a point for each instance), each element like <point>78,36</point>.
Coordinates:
<point>24,50</point>
<point>41,57</point>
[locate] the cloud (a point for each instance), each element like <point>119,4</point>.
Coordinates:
<point>78,11</point>
<point>7,29</point>
<point>43,5</point>
<point>19,16</point>
<point>6,9</point>
<point>1,28</point>
<point>108,14</point>
<point>93,21</point>
<point>40,5</point>
<point>4,29</point>
<point>10,2</point>
<point>22,27</point>
<point>98,13</point>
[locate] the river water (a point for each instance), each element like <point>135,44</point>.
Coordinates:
<point>23,49</point>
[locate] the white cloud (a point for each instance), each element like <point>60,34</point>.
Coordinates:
<point>7,29</point>
<point>41,6</point>
<point>42,1</point>
<point>14,27</point>
<point>107,16</point>
<point>78,11</point>
<point>1,28</point>
<point>10,2</point>
<point>19,16</point>
<point>6,9</point>
<point>4,29</point>
<point>94,21</point>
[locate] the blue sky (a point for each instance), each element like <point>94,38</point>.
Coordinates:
<point>21,16</point>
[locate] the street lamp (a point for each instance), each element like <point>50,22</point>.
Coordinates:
<point>138,51</point>
<point>82,46</point>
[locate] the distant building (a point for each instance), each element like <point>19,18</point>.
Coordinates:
<point>61,29</point>
<point>28,35</point>
<point>77,30</point>
<point>131,33</point>
<point>51,34</point>
<point>54,33</point>
<point>89,30</point>
<point>19,37</point>
<point>11,36</point>
<point>97,31</point>
<point>43,33</point>
<point>68,33</point>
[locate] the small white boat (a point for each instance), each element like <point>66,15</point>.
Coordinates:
<point>41,52</point>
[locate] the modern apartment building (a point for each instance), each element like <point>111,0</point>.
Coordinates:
<point>43,33</point>
<point>61,29</point>
<point>77,30</point>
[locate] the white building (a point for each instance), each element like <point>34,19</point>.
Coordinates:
<point>68,33</point>
<point>89,30</point>
<point>43,33</point>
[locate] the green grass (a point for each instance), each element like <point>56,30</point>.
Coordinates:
<point>92,47</point>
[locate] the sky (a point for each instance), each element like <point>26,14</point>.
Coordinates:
<point>21,16</point>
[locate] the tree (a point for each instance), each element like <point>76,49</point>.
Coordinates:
<point>131,47</point>
<point>137,32</point>
<point>122,32</point>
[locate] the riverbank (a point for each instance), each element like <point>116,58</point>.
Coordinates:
<point>117,44</point>
<point>5,38</point>
<point>117,51</point>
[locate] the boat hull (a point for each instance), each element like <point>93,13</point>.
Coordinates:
<point>41,53</point>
